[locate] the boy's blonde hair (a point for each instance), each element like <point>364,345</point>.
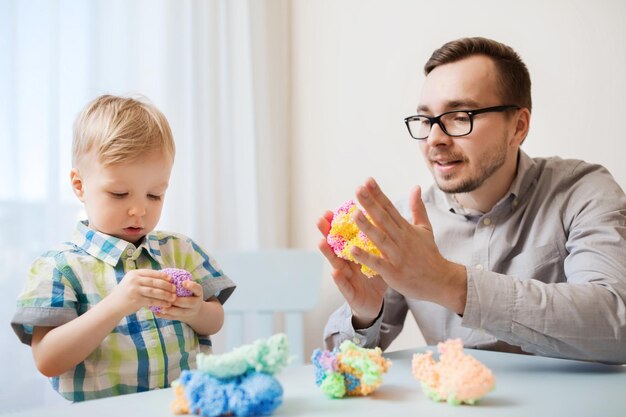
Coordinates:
<point>120,129</point>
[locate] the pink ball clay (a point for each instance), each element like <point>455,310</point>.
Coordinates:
<point>177,277</point>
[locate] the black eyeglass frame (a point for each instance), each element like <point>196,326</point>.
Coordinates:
<point>471,113</point>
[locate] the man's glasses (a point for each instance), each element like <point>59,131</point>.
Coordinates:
<point>453,123</point>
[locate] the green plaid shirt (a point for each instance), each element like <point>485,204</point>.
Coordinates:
<point>143,352</point>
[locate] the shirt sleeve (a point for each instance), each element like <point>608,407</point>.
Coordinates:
<point>584,315</point>
<point>205,270</point>
<point>48,300</point>
<point>381,333</point>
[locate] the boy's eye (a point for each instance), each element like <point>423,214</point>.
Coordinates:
<point>154,197</point>
<point>119,195</point>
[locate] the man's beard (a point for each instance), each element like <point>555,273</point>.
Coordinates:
<point>486,169</point>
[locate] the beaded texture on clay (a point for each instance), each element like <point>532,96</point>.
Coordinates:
<point>456,378</point>
<point>344,234</point>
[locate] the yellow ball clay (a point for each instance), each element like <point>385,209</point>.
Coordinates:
<point>344,234</point>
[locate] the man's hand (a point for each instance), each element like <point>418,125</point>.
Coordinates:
<point>411,262</point>
<point>363,295</point>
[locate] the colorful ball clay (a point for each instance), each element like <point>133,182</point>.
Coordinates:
<point>177,277</point>
<point>350,370</point>
<point>239,383</point>
<point>456,378</point>
<point>251,394</point>
<point>344,234</point>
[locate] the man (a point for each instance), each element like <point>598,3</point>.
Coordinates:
<point>506,252</point>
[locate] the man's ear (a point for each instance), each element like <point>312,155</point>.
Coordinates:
<point>77,183</point>
<point>522,126</point>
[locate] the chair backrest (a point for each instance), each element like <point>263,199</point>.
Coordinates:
<point>286,281</point>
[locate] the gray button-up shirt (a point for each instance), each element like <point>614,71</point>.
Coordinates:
<point>546,269</point>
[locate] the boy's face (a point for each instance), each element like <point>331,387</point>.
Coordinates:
<point>123,200</point>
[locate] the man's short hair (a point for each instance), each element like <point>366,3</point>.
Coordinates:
<point>512,72</point>
<point>120,129</point>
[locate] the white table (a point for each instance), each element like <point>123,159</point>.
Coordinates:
<point>526,386</point>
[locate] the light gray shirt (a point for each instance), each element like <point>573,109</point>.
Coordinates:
<point>546,269</point>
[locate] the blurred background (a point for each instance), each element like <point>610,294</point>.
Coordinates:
<point>280,110</point>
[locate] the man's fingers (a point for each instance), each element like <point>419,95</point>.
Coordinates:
<point>378,237</point>
<point>418,209</point>
<point>335,261</point>
<point>323,224</point>
<point>372,188</point>
<point>344,285</point>
<point>376,263</point>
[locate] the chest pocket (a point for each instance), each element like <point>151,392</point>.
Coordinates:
<point>543,263</point>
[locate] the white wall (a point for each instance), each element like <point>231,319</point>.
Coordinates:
<point>357,70</point>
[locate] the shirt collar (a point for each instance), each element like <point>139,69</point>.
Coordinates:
<point>109,248</point>
<point>526,175</point>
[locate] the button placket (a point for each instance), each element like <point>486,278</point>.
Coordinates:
<point>482,236</point>
<point>130,265</point>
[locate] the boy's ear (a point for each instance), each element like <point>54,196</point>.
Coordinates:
<point>77,183</point>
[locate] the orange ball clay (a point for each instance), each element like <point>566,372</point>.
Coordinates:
<point>344,234</point>
<point>180,405</point>
<point>457,378</point>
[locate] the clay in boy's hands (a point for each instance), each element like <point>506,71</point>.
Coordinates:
<point>344,234</point>
<point>177,277</point>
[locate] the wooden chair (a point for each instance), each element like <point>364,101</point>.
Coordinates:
<point>284,281</point>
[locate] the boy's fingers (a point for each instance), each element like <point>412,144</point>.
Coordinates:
<point>154,274</point>
<point>159,294</point>
<point>158,284</point>
<point>194,287</point>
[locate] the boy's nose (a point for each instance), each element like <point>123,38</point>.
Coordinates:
<point>137,209</point>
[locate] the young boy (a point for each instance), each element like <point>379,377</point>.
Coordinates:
<point>85,309</point>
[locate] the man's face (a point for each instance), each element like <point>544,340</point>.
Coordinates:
<point>464,164</point>
<point>123,200</point>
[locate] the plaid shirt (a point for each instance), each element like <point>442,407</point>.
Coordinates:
<point>143,352</point>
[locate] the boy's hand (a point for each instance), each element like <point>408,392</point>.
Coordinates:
<point>185,308</point>
<point>143,288</point>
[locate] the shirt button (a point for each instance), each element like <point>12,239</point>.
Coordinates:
<point>356,341</point>
<point>152,343</point>
<point>487,221</point>
<point>515,203</point>
<point>479,267</point>
<point>130,252</point>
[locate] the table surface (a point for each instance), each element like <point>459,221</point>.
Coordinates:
<point>527,386</point>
